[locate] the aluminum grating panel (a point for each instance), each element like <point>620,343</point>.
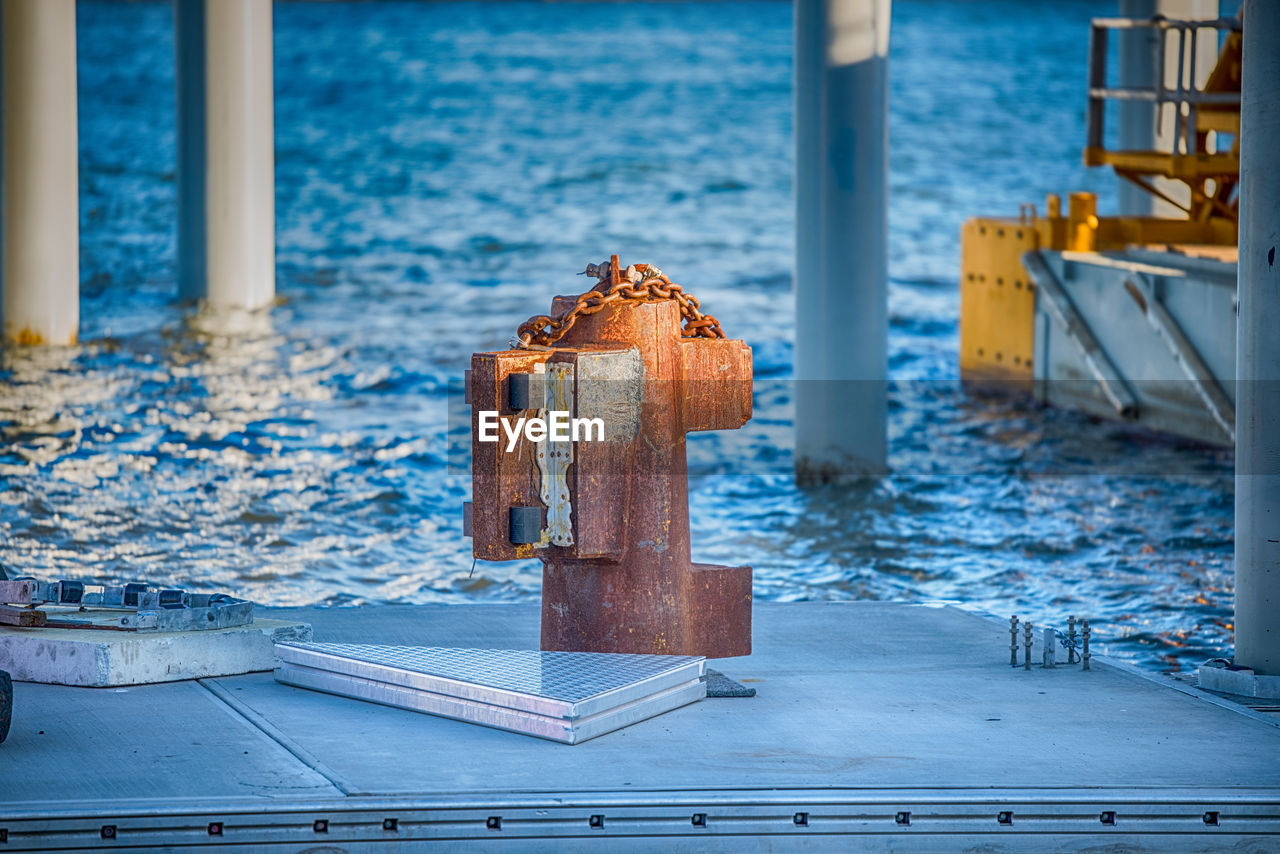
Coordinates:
<point>568,676</point>
<point>565,696</point>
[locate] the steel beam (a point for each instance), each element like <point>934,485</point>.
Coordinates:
<point>1184,352</point>
<point>1064,312</point>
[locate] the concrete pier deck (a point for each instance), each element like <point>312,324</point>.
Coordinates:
<point>876,727</point>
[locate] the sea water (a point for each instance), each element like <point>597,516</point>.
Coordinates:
<point>442,170</point>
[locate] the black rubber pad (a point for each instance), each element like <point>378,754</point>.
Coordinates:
<point>719,685</point>
<point>6,704</point>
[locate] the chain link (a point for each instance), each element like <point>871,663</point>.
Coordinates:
<point>638,283</point>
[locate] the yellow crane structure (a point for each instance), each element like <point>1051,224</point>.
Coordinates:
<point>998,294</point>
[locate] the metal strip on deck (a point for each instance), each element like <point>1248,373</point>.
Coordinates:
<point>907,821</point>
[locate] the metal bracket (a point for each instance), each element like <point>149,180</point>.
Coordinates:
<point>1184,352</point>
<point>527,391</point>
<point>149,609</point>
<point>525,525</point>
<point>554,458</point>
<point>1060,306</point>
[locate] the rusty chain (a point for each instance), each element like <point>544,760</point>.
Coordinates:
<point>639,283</point>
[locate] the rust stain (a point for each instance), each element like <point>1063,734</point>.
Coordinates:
<point>28,337</point>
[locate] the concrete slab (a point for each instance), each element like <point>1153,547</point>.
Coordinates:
<point>1243,682</point>
<point>98,658</point>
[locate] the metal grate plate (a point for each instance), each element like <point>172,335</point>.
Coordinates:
<point>566,696</point>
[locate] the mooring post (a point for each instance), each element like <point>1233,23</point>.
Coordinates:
<point>1142,125</point>
<point>608,513</point>
<point>841,272</point>
<point>40,235</point>
<point>1257,613</point>
<point>226,152</point>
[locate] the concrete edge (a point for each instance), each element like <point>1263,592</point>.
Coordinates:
<point>1108,663</point>
<point>762,796</point>
<point>1244,682</point>
<point>87,658</point>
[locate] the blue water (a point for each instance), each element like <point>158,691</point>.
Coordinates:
<point>442,170</point>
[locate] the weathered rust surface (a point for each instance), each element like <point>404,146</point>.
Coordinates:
<point>609,385</point>
<point>627,584</point>
<point>28,617</point>
<point>504,480</point>
<point>716,393</point>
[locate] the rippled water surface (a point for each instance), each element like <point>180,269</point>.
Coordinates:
<point>442,170</point>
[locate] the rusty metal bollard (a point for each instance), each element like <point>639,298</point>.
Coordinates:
<point>607,512</point>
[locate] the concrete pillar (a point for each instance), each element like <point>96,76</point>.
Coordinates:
<point>841,274</point>
<point>1140,126</point>
<point>226,152</point>
<point>1258,347</point>
<point>39,211</point>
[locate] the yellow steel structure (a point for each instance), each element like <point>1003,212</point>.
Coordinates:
<point>997,297</point>
<point>1207,116</point>
<point>996,300</point>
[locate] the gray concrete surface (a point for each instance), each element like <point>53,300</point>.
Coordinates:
<point>161,742</point>
<point>104,659</point>
<point>864,710</point>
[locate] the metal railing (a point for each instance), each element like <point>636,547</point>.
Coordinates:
<point>1186,97</point>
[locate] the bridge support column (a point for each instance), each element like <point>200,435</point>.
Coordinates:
<point>226,152</point>
<point>841,272</point>
<point>39,214</point>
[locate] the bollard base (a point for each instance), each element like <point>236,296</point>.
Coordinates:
<point>638,607</point>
